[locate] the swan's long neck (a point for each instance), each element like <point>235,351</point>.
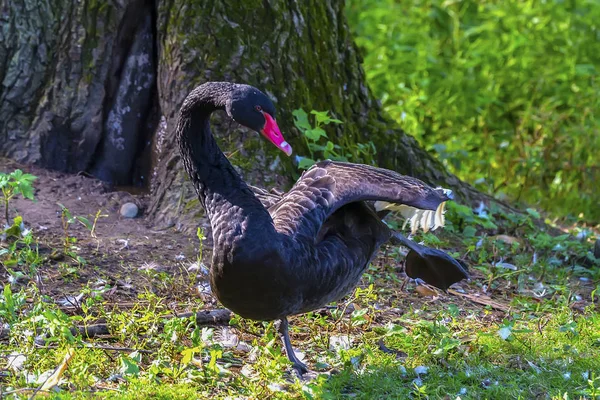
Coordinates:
<point>229,203</point>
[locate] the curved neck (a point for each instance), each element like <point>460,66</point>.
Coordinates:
<point>219,186</point>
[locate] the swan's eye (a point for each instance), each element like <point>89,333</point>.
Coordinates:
<point>258,108</point>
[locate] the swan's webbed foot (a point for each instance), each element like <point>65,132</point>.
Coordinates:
<point>298,365</point>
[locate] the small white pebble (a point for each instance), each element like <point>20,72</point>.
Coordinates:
<point>129,210</point>
<point>567,376</point>
<point>462,391</point>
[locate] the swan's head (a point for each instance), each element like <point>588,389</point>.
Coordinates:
<point>250,107</point>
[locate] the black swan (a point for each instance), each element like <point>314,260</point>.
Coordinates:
<point>277,255</point>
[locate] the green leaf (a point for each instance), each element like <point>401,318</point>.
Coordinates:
<point>85,222</point>
<point>315,134</point>
<point>9,303</point>
<point>27,192</point>
<point>322,116</point>
<point>469,231</point>
<point>306,163</point>
<point>16,228</point>
<point>129,366</point>
<point>188,354</point>
<point>301,119</point>
<point>533,213</point>
<point>66,213</point>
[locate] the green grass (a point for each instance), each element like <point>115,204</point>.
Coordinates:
<point>526,326</point>
<point>505,93</point>
<point>544,355</point>
<point>540,339</point>
<point>467,358</point>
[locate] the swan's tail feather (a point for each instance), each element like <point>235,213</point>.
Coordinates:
<point>425,219</point>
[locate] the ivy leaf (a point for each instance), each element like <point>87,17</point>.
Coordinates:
<point>315,134</point>
<point>129,364</point>
<point>301,119</point>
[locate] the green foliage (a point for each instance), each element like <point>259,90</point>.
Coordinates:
<point>313,135</point>
<point>319,145</point>
<point>505,93</point>
<point>68,241</point>
<point>13,184</point>
<point>22,251</point>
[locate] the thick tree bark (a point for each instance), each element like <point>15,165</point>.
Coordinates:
<point>64,68</point>
<point>81,88</point>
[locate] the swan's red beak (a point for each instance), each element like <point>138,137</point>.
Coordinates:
<point>271,131</point>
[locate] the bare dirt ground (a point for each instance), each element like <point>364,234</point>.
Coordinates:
<point>125,254</point>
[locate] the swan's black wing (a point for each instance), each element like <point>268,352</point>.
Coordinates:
<point>431,265</point>
<point>329,185</point>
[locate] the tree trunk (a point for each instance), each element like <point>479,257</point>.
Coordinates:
<point>95,86</point>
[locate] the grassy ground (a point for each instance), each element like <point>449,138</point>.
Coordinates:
<point>526,325</point>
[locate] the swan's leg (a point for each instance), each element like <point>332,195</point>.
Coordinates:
<point>298,365</point>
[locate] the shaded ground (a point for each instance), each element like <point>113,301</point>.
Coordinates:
<point>123,250</point>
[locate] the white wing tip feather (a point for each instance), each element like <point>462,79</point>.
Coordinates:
<point>425,219</point>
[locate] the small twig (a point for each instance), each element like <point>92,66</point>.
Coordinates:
<point>103,347</point>
<point>113,348</point>
<point>482,300</point>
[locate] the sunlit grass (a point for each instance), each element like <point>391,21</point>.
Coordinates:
<point>526,326</point>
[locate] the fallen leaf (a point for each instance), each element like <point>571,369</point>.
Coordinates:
<point>507,239</point>
<point>54,379</point>
<point>425,291</point>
